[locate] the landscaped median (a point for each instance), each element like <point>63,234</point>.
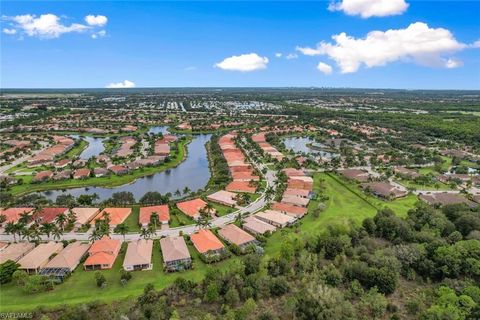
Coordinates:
<point>109,181</point>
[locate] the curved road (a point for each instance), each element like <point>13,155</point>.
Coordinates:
<point>253,207</point>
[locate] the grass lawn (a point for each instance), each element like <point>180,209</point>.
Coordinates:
<point>76,151</point>
<point>81,287</point>
<point>221,209</point>
<point>108,181</point>
<point>177,218</point>
<point>441,186</point>
<point>346,205</point>
<point>132,220</point>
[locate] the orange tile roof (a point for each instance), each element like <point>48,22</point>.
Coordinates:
<point>192,207</point>
<point>289,209</point>
<point>240,186</point>
<point>162,211</point>
<point>117,215</point>
<point>105,245</point>
<point>205,240</point>
<point>13,214</point>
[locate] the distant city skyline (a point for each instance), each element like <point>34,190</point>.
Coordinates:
<point>397,44</point>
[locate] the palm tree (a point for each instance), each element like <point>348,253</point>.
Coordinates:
<point>71,216</point>
<point>24,218</point>
<point>122,229</point>
<point>154,218</point>
<point>95,235</point>
<point>61,220</point>
<point>145,233</point>
<point>57,232</point>
<point>239,219</point>
<point>34,233</point>
<point>47,228</point>
<point>13,229</point>
<point>186,190</point>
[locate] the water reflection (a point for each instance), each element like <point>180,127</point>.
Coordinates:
<point>193,173</point>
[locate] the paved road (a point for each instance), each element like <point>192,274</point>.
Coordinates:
<point>253,207</point>
<point>22,159</point>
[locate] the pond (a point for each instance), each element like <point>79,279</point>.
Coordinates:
<point>94,148</point>
<point>193,173</point>
<point>308,146</point>
<point>158,129</point>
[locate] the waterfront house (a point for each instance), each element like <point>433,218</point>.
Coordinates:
<point>116,215</point>
<point>146,212</point>
<point>192,207</point>
<point>48,215</point>
<point>14,214</point>
<point>84,215</point>
<point>223,197</point>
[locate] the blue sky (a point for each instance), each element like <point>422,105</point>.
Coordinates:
<point>177,44</point>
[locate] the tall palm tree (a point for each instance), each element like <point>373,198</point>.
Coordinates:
<point>71,216</point>
<point>47,228</point>
<point>239,219</point>
<point>154,218</point>
<point>35,234</point>
<point>57,232</point>
<point>122,229</point>
<point>13,229</point>
<point>24,218</point>
<point>61,220</point>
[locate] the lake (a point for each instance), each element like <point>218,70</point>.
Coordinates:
<point>94,148</point>
<point>300,145</point>
<point>193,173</point>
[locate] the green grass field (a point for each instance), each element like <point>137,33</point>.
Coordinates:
<point>346,205</point>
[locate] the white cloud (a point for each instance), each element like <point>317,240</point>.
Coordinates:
<point>44,26</point>
<point>291,56</point>
<point>325,68</point>
<point>418,43</point>
<point>99,34</point>
<point>99,20</point>
<point>453,63</point>
<point>278,55</point>
<point>124,84</point>
<point>369,8</point>
<point>9,31</point>
<point>244,63</point>
<point>190,68</point>
<point>476,44</point>
<point>50,26</point>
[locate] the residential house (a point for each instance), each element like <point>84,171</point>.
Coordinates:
<point>146,212</point>
<point>234,235</point>
<point>256,226</point>
<point>15,251</point>
<point>207,243</point>
<point>175,254</point>
<point>223,197</point>
<point>102,254</point>
<point>192,207</point>
<point>116,216</point>
<point>138,255</point>
<point>39,256</point>
<point>275,218</point>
